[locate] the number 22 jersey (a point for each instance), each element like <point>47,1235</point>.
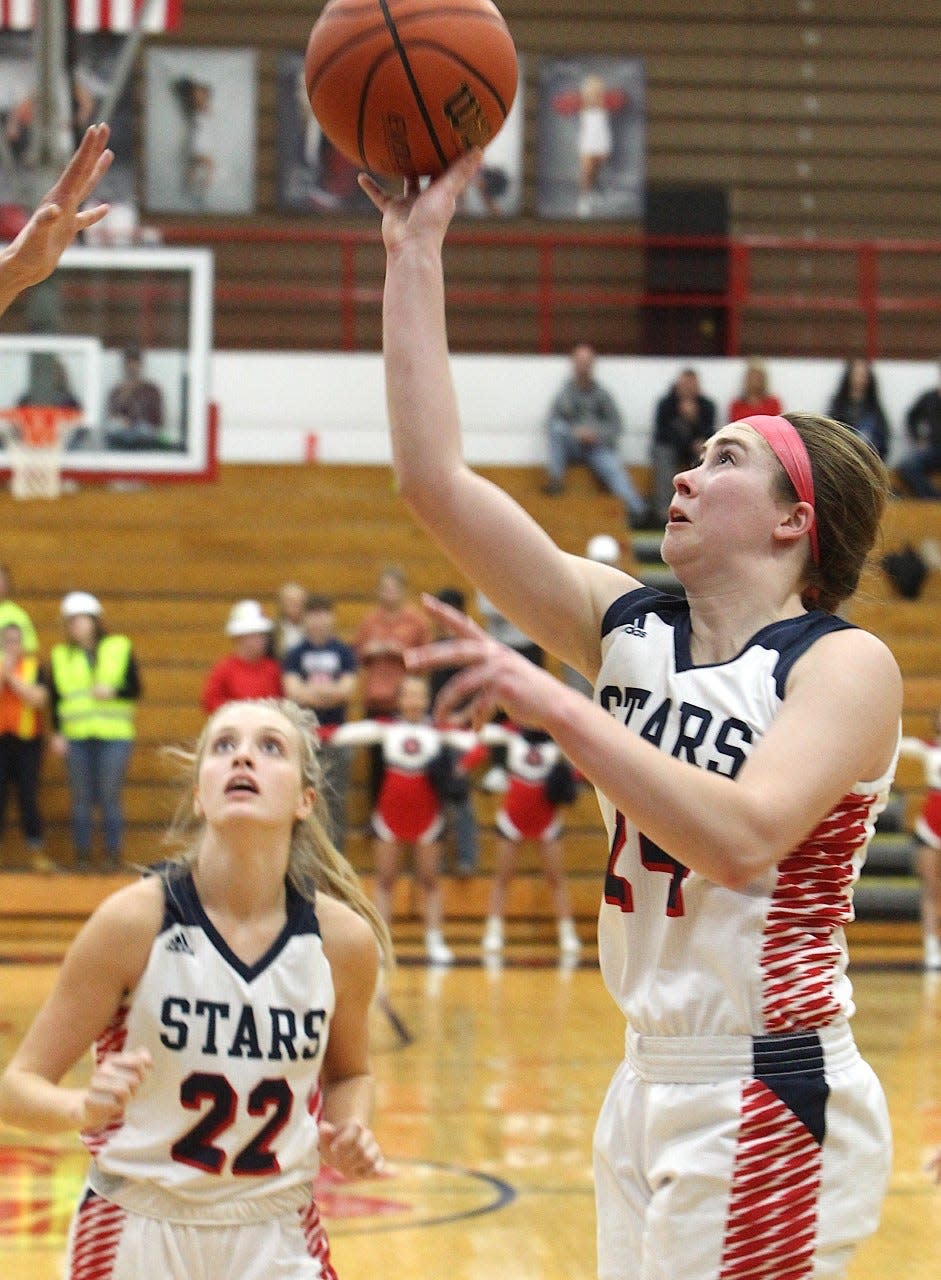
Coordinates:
<point>227,1118</point>
<point>680,954</point>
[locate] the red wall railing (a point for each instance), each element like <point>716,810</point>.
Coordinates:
<point>860,290</point>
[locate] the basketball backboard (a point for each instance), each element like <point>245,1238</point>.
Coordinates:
<point>107,321</point>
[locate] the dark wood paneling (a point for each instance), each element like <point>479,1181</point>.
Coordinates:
<point>820,120</point>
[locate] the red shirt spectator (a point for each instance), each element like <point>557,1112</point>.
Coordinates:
<point>755,396</point>
<point>248,671</point>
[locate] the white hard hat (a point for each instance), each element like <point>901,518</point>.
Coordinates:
<point>79,604</point>
<point>247,619</point>
<point>604,548</point>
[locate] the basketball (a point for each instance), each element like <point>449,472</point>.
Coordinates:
<point>403,87</point>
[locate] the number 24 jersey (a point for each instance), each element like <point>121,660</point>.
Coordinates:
<point>679,954</point>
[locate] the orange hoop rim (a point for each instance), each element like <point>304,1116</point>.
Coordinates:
<point>39,426</point>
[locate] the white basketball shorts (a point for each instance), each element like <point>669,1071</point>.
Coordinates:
<point>108,1242</point>
<point>731,1158</point>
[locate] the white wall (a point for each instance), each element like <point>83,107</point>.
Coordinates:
<point>271,402</point>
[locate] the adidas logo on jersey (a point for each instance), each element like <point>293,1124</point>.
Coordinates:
<point>635,629</point>
<point>179,944</point>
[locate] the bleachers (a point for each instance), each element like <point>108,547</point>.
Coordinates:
<point>167,562</point>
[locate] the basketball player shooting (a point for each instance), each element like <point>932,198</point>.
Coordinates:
<point>742,741</point>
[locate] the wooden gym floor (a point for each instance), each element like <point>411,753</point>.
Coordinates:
<point>488,1086</point>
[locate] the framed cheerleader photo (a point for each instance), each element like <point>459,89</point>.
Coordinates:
<point>199,130</point>
<point>591,138</point>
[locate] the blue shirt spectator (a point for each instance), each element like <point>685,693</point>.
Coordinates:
<point>856,402</point>
<point>923,424</point>
<point>320,673</point>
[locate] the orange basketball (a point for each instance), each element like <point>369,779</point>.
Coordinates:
<point>403,87</point>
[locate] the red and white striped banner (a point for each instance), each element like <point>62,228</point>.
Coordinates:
<point>96,15</point>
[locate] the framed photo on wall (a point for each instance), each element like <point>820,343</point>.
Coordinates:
<point>199,130</point>
<point>313,176</point>
<point>591,138</point>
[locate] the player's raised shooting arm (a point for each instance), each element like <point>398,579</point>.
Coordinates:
<point>486,533</point>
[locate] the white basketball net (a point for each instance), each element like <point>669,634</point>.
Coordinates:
<point>34,437</point>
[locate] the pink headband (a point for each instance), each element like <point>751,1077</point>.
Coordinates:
<point>791,452</point>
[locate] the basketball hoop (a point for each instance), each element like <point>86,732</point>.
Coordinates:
<point>35,435</point>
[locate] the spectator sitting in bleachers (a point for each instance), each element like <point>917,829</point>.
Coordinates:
<point>584,426</point>
<point>135,405</point>
<point>923,423</point>
<point>51,387</point>
<point>856,402</point>
<point>754,396</point>
<point>683,420</point>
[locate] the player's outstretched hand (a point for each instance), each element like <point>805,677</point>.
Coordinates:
<point>494,676</point>
<point>351,1149</point>
<point>114,1083</point>
<point>417,213</point>
<point>58,218</point>
<point>933,1167</point>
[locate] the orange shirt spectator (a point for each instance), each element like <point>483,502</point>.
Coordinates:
<point>383,636</point>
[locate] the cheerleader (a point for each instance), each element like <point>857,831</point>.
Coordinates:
<point>539,783</point>
<point>409,807</point>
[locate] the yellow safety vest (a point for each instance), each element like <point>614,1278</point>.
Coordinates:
<point>16,716</point>
<point>81,715</point>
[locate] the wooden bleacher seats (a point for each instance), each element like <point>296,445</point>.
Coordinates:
<point>168,561</point>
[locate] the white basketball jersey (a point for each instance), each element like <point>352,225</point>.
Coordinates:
<point>679,954</point>
<point>227,1117</point>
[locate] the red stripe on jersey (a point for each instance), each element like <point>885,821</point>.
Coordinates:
<point>812,899</point>
<point>97,1235</point>
<point>318,1246</point>
<point>772,1216</point>
<point>112,1040</point>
